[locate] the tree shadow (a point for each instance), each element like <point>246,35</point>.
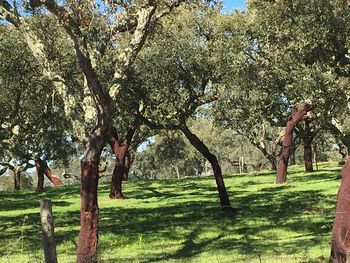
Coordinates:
<point>184,212</point>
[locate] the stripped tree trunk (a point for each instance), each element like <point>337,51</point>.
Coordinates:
<point>89,210</point>
<point>341,226</point>
<point>40,173</point>
<point>42,168</point>
<point>120,148</point>
<point>203,149</point>
<point>296,117</point>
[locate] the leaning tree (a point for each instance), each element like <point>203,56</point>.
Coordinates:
<point>287,67</point>
<point>184,58</point>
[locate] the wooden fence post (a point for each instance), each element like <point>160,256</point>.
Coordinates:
<point>49,243</point>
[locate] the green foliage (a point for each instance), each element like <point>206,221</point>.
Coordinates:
<point>179,220</point>
<point>34,120</point>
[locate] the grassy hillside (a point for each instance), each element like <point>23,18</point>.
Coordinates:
<point>180,220</point>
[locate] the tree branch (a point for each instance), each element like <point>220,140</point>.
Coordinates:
<point>128,56</point>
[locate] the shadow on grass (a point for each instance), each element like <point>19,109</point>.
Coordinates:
<point>275,220</point>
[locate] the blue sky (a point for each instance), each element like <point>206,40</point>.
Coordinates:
<point>231,4</point>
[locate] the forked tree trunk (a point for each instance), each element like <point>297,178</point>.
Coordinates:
<point>203,149</point>
<point>341,226</point>
<point>47,171</point>
<point>17,177</point>
<point>296,117</point>
<point>43,169</point>
<point>120,149</point>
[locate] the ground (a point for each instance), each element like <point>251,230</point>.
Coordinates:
<point>180,220</point>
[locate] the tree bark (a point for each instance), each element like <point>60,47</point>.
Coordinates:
<point>203,149</point>
<point>120,148</point>
<point>42,168</point>
<point>127,165</point>
<point>293,150</point>
<point>17,178</point>
<point>49,243</point>
<point>88,237</point>
<point>89,210</point>
<point>40,173</point>
<point>296,117</point>
<point>308,156</point>
<point>308,137</point>
<point>270,157</point>
<point>273,162</point>
<point>341,226</point>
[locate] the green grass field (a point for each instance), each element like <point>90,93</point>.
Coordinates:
<point>180,220</point>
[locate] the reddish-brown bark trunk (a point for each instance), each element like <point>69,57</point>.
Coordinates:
<point>54,179</point>
<point>296,117</point>
<point>115,190</point>
<point>89,212</point>
<point>43,169</point>
<point>203,149</point>
<point>40,173</point>
<point>341,226</point>
<point>120,148</point>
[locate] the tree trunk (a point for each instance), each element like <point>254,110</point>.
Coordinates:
<point>120,149</point>
<point>273,162</point>
<point>296,117</point>
<point>308,156</point>
<point>270,157</point>
<point>307,140</point>
<point>115,190</point>
<point>49,243</point>
<point>47,171</point>
<point>341,226</point>
<point>17,178</point>
<point>293,150</point>
<point>89,210</point>
<point>41,169</point>
<point>40,173</point>
<point>127,166</point>
<point>203,149</point>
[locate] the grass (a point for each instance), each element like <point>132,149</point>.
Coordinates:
<point>180,220</point>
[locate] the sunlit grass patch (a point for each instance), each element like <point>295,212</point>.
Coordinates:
<point>181,221</point>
